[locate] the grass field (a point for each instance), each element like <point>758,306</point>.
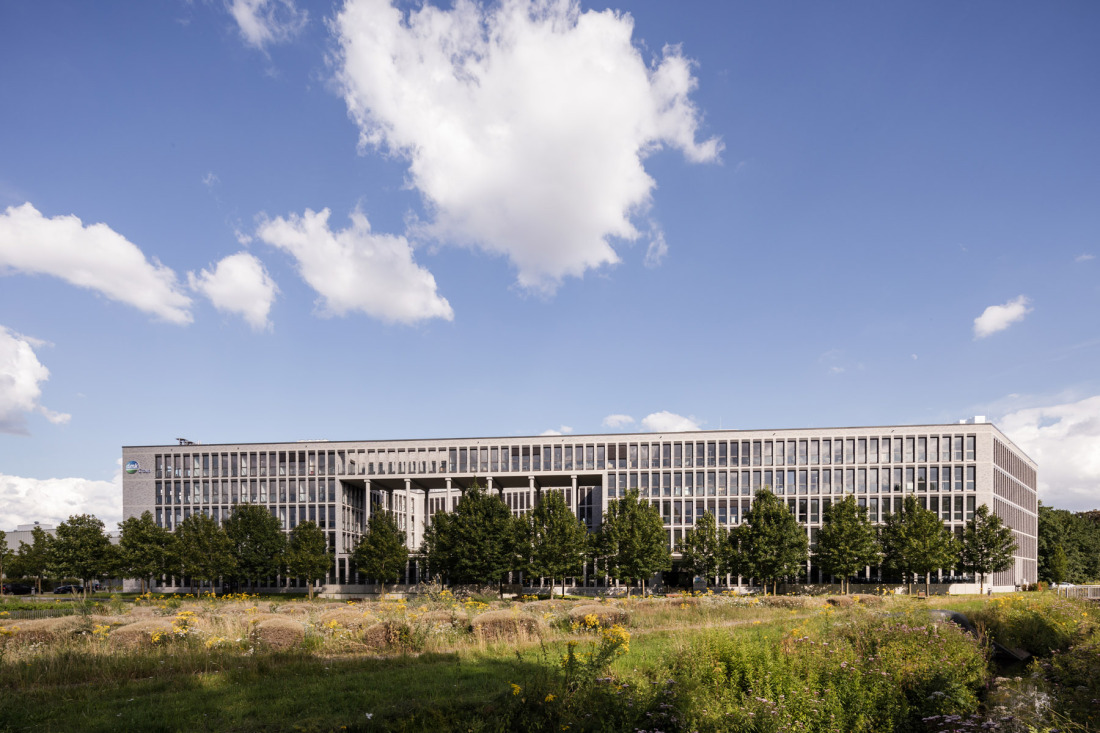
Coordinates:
<point>670,664</point>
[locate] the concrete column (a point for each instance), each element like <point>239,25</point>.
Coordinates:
<point>450,498</point>
<point>535,492</point>
<point>410,531</point>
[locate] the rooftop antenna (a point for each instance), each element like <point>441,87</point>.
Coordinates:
<point>185,441</point>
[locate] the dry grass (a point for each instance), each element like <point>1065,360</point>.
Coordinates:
<point>347,617</point>
<point>280,633</point>
<point>606,615</point>
<point>47,630</point>
<point>866,599</point>
<point>505,626</point>
<point>138,634</point>
<point>792,602</point>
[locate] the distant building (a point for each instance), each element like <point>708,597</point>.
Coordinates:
<point>24,533</point>
<point>951,469</point>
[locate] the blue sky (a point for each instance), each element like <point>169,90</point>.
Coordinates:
<point>738,215</point>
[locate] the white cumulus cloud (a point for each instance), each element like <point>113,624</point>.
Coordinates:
<point>562,430</point>
<point>355,269</point>
<point>617,421</point>
<point>53,500</point>
<point>94,257</point>
<point>20,377</point>
<point>1084,257</point>
<point>238,284</point>
<point>267,21</point>
<point>1064,440</point>
<point>999,317</point>
<point>525,124</point>
<point>668,422</point>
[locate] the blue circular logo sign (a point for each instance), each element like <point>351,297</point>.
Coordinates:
<point>132,467</point>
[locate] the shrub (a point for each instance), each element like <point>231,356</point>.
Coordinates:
<point>48,630</point>
<point>598,615</point>
<point>505,626</point>
<point>279,634</point>
<point>790,602</point>
<point>1039,625</point>
<point>840,601</point>
<point>139,634</point>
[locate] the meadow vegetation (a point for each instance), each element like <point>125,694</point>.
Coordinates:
<point>694,662</point>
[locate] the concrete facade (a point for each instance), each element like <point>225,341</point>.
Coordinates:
<point>951,468</point>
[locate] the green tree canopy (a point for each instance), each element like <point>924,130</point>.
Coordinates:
<point>770,543</point>
<point>5,553</point>
<point>307,554</point>
<point>33,560</point>
<point>145,550</point>
<point>702,548</point>
<point>916,542</point>
<point>473,544</point>
<point>81,549</point>
<point>988,546</point>
<point>847,541</point>
<point>204,550</point>
<point>1058,566</point>
<point>382,553</point>
<point>633,541</point>
<point>258,543</point>
<point>1078,534</point>
<point>556,539</point>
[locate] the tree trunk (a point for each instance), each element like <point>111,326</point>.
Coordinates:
<point>309,589</point>
<point>927,586</point>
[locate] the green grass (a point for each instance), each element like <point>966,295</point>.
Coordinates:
<point>713,665</point>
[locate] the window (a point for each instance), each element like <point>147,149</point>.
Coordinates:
<point>970,478</point>
<point>849,481</point>
<point>934,478</point>
<point>678,484</point>
<point>756,453</point>
<point>970,447</point>
<point>815,481</point>
<point>958,448</point>
<point>744,452</point>
<point>922,449</point>
<point>802,452</point>
<point>722,446</point>
<point>850,451</point>
<point>897,479</point>
<point>872,481</point>
<point>897,450</point>
<point>568,458</point>
<point>958,478</point>
<point>884,456</point>
<point>872,451</point>
<point>712,459</point>
<point>838,451</point>
<point>815,447</point>
<point>666,455</point>
<point>633,455</point>
<point>678,455</point>
<point>861,481</point>
<point>699,457</point>
<point>826,482</point>
<point>861,450</point>
<point>922,478</point>
<point>791,452</point>
<point>589,457</point>
<point>909,479</point>
<point>908,450</point>
<point>779,459</point>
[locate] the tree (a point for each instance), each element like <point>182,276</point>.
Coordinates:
<point>473,544</point>
<point>770,544</point>
<point>1078,534</point>
<point>204,550</point>
<point>701,549</point>
<point>846,542</point>
<point>987,545</point>
<point>33,560</point>
<point>1058,565</point>
<point>916,542</point>
<point>556,539</point>
<point>307,554</point>
<point>81,549</point>
<point>382,552</point>
<point>258,543</point>
<point>4,554</point>
<point>632,539</point>
<point>145,550</point>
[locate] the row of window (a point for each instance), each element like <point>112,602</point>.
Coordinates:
<point>578,457</point>
<point>324,517</point>
<point>1012,464</point>
<point>810,511</point>
<point>795,481</point>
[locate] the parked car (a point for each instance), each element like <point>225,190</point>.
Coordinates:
<point>17,589</point>
<point>69,589</point>
<point>1062,585</point>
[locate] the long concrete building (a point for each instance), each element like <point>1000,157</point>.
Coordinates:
<point>950,468</point>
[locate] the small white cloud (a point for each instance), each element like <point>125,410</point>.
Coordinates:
<point>999,317</point>
<point>54,500</point>
<point>617,421</point>
<point>262,22</point>
<point>93,257</point>
<point>526,123</point>
<point>562,430</point>
<point>1084,257</point>
<point>668,422</point>
<point>657,249</point>
<point>836,370</point>
<point>913,357</point>
<point>211,179</point>
<point>238,284</point>
<point>20,376</point>
<point>357,270</point>
<point>1064,440</point>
